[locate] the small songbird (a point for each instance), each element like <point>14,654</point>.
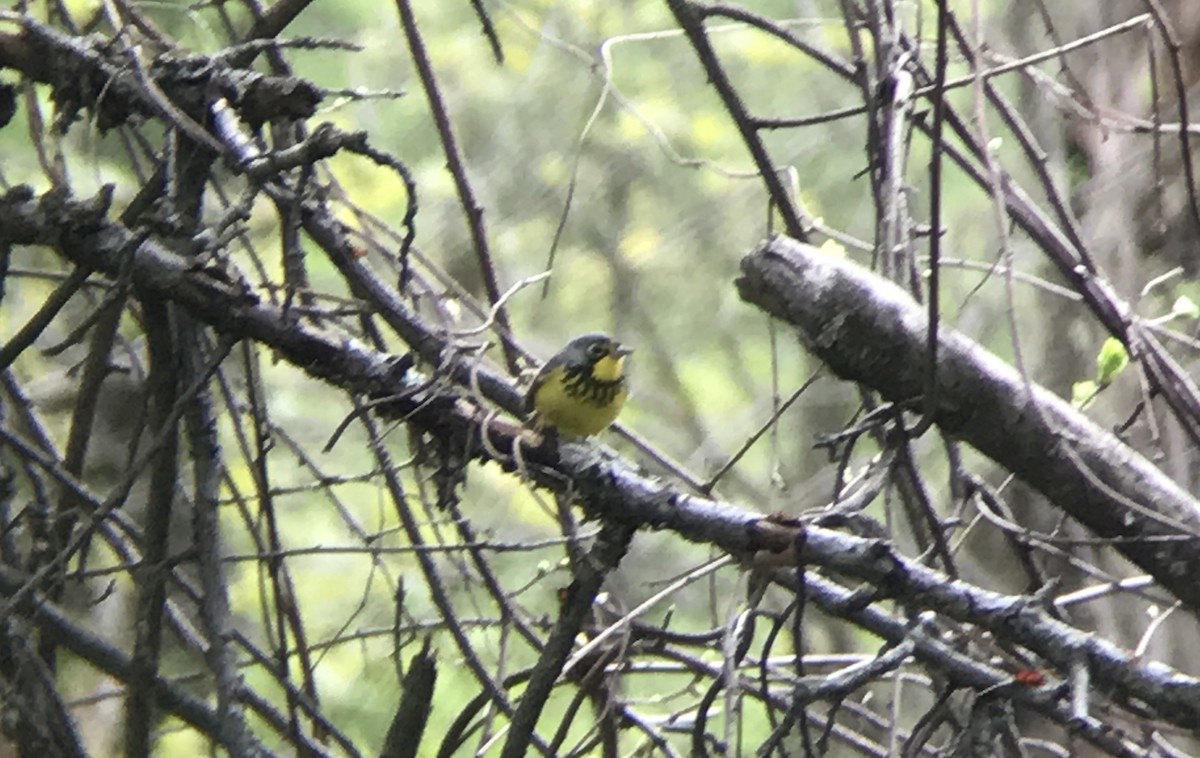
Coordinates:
<point>580,390</point>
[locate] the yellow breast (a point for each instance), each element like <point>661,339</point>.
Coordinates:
<point>574,414</point>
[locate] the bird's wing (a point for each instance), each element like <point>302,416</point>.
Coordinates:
<point>531,393</point>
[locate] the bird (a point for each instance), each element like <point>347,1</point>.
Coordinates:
<point>580,391</point>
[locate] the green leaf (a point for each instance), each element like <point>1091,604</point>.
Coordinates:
<point>1111,361</point>
<point>1185,307</point>
<point>834,248</point>
<point>1083,392</point>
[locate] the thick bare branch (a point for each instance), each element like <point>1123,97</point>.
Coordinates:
<point>612,490</point>
<point>871,332</point>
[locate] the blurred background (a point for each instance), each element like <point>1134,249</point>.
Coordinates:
<point>600,141</point>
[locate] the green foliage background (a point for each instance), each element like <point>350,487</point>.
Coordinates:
<point>665,203</point>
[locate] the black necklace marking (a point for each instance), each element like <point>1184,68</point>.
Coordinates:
<point>579,383</point>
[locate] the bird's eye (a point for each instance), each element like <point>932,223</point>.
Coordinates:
<point>596,351</point>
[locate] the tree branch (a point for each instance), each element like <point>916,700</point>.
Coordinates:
<point>869,331</point>
<point>613,491</point>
